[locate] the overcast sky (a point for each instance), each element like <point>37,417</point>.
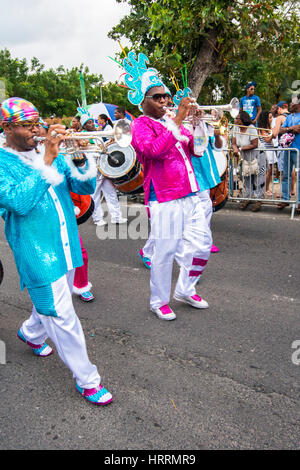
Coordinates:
<point>63,32</point>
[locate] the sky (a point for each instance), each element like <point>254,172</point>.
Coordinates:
<point>63,32</point>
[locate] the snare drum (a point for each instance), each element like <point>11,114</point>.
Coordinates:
<point>219,194</point>
<point>121,166</point>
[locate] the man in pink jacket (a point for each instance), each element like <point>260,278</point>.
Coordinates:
<point>164,147</point>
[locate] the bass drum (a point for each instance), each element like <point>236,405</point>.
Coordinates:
<point>219,194</point>
<point>84,207</point>
<point>1,272</point>
<point>121,166</point>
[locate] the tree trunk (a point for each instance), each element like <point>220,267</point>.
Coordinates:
<point>206,63</point>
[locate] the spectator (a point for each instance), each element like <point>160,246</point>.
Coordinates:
<point>75,124</point>
<point>120,114</point>
<point>281,114</point>
<point>244,142</point>
<point>291,125</point>
<point>251,103</point>
<point>104,122</point>
<point>266,145</point>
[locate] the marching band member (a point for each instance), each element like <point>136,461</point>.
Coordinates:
<point>105,186</point>
<point>206,173</point>
<point>164,148</point>
<point>41,229</point>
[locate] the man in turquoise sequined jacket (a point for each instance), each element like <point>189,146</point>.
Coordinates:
<point>41,229</point>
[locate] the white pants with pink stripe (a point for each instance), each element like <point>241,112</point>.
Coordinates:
<point>179,230</point>
<point>64,329</point>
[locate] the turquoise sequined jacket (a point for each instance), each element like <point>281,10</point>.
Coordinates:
<point>35,230</point>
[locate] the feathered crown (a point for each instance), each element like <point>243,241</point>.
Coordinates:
<point>181,94</point>
<point>138,78</point>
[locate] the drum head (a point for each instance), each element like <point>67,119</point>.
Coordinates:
<point>221,161</point>
<point>118,162</point>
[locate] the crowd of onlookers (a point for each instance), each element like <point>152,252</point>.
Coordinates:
<point>261,143</point>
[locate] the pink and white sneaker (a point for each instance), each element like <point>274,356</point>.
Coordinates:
<point>42,350</point>
<point>214,249</point>
<point>164,312</point>
<point>193,300</point>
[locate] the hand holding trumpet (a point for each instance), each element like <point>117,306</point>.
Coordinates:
<point>54,138</point>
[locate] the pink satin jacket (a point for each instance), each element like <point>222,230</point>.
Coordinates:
<point>165,152</point>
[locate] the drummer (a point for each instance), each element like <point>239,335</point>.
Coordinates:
<point>105,186</point>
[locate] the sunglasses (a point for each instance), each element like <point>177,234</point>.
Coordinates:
<point>158,96</point>
<point>27,125</point>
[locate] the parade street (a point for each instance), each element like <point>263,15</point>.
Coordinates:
<point>222,378</point>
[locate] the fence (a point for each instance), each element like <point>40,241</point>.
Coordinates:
<point>275,179</point>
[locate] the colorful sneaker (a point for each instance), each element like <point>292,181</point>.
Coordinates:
<point>98,396</point>
<point>164,312</point>
<point>193,300</point>
<point>42,350</point>
<point>214,249</point>
<point>86,296</point>
<point>146,261</point>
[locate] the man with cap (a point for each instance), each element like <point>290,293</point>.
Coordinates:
<point>103,185</point>
<point>41,229</point>
<point>251,102</point>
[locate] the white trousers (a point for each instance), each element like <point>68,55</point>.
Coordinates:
<point>179,230</point>
<point>105,185</point>
<point>65,331</point>
<point>206,203</point>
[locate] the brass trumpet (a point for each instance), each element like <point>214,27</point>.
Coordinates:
<point>121,133</point>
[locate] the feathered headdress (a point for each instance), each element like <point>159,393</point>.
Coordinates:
<point>138,78</point>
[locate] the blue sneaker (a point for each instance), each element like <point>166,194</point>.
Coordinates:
<point>146,261</point>
<point>87,296</point>
<point>97,396</point>
<point>42,350</point>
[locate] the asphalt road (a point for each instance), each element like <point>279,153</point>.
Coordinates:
<point>222,378</point>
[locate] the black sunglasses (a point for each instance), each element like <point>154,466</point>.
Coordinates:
<point>158,96</point>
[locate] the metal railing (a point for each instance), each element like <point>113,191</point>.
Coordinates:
<point>275,181</point>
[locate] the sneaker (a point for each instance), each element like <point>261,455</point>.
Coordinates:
<point>193,300</point>
<point>42,350</point>
<point>164,312</point>
<point>100,223</point>
<point>86,296</point>
<point>214,249</point>
<point>146,261</point>
<point>98,395</point>
<point>120,220</point>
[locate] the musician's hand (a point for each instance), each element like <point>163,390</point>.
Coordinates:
<point>54,138</point>
<point>184,109</point>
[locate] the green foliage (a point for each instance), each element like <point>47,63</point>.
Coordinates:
<point>55,92</point>
<point>255,41</point>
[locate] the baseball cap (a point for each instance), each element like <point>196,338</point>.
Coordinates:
<point>282,104</point>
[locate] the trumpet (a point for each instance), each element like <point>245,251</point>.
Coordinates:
<point>233,107</point>
<point>121,133</point>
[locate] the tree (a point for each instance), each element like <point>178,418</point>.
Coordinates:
<point>56,92</point>
<point>214,38</point>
